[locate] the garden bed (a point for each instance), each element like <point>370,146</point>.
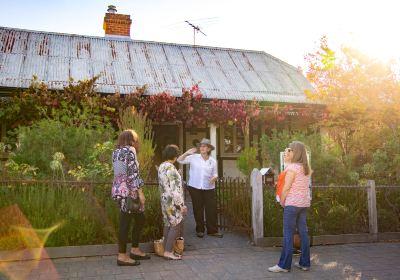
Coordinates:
<point>84,212</point>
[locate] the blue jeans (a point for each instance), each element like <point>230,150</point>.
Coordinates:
<point>292,217</point>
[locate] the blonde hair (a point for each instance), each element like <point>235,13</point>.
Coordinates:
<point>128,137</point>
<point>300,155</point>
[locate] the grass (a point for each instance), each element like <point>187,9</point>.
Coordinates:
<point>87,215</point>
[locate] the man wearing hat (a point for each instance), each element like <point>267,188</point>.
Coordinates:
<point>201,185</point>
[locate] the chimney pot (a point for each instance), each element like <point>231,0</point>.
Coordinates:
<point>112,9</point>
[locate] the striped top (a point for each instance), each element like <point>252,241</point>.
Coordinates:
<point>299,192</point>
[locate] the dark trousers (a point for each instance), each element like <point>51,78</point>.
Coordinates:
<point>124,224</point>
<point>204,200</point>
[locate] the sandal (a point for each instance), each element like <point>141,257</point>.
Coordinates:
<point>174,258</point>
<point>138,257</point>
<point>124,263</point>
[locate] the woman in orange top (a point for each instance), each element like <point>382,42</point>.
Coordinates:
<point>296,200</point>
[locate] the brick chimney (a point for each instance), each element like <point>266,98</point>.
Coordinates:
<point>116,25</point>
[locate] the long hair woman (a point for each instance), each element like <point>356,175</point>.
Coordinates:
<point>296,200</point>
<point>127,191</point>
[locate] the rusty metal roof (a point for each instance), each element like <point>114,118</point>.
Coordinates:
<point>125,64</point>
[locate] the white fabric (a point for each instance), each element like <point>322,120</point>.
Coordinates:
<point>201,171</point>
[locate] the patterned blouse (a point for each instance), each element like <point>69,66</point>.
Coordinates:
<point>126,176</point>
<point>299,192</point>
<point>172,201</point>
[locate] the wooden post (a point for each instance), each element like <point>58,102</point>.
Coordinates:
<point>213,139</point>
<point>257,211</point>
<point>372,211</point>
<point>246,134</point>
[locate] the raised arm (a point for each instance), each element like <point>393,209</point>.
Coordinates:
<point>182,158</point>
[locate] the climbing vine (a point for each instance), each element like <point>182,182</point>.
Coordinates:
<point>79,103</point>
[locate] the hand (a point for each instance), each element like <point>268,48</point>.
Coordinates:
<point>184,210</point>
<point>213,179</point>
<point>191,151</point>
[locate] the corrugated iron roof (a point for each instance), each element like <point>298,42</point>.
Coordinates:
<point>125,64</point>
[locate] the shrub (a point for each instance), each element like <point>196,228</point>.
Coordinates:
<point>333,211</point>
<point>247,161</point>
<point>86,214</point>
<point>37,144</point>
<point>327,162</point>
<point>99,166</point>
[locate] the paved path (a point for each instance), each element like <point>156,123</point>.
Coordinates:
<point>232,257</point>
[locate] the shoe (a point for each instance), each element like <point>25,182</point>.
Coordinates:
<point>122,263</point>
<point>277,269</point>
<point>137,257</point>
<point>304,268</point>
<point>200,234</point>
<point>216,234</point>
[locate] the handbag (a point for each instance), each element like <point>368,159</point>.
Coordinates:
<point>179,245</point>
<point>159,247</point>
<point>133,204</point>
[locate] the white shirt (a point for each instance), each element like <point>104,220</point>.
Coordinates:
<point>201,171</point>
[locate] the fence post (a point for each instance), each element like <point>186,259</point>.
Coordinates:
<point>372,211</point>
<point>257,212</point>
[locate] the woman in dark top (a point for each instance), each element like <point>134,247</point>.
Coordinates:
<point>127,186</point>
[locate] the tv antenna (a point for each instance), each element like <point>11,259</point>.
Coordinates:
<point>196,29</point>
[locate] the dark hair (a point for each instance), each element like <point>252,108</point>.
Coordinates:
<point>196,143</point>
<point>170,152</point>
<point>130,138</point>
<point>300,155</point>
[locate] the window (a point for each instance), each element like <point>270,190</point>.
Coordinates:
<point>232,140</point>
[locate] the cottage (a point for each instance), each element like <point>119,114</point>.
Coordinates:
<point>125,63</point>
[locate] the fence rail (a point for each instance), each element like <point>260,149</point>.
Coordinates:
<point>59,182</point>
<point>336,211</point>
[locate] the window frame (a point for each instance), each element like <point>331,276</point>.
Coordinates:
<point>224,154</point>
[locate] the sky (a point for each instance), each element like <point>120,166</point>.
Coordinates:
<point>287,29</point>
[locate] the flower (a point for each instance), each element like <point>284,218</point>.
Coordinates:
<point>58,156</point>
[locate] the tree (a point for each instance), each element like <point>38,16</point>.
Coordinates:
<point>362,95</point>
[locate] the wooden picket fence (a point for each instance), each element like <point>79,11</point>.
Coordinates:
<point>234,204</point>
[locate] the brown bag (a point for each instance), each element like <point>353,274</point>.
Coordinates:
<point>179,245</point>
<point>159,247</point>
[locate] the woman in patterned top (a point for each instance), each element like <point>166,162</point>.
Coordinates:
<point>296,200</point>
<point>128,184</point>
<point>172,200</point>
